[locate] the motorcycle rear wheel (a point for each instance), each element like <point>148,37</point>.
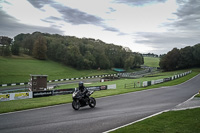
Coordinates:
<point>75,105</point>
<point>92,102</point>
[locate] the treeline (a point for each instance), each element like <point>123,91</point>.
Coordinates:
<point>181,58</point>
<point>5,43</point>
<point>80,53</point>
<point>150,55</point>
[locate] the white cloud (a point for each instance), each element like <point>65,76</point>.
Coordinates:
<point>141,25</point>
<point>25,13</point>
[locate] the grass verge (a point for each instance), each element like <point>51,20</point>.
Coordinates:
<point>16,105</point>
<point>198,95</point>
<point>185,121</point>
<point>23,104</point>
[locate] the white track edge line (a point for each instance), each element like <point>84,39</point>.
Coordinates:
<point>136,121</point>
<point>154,115</point>
<point>187,100</point>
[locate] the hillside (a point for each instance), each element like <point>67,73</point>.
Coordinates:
<point>18,69</point>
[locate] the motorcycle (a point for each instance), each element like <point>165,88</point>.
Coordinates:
<point>80,101</point>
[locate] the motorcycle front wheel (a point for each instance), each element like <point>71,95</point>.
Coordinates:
<point>75,104</point>
<point>92,102</point>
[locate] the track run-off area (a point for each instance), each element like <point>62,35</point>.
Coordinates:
<point>110,112</point>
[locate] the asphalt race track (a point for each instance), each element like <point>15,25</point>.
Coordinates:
<point>110,112</point>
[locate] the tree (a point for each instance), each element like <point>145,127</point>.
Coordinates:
<point>15,48</point>
<point>19,41</point>
<point>7,51</point>
<point>40,48</point>
<point>163,61</point>
<point>138,60</point>
<point>129,62</point>
<point>196,54</point>
<point>6,41</point>
<point>28,44</point>
<point>81,53</point>
<point>170,61</point>
<point>103,61</point>
<point>186,59</point>
<point>59,52</point>
<point>89,60</point>
<point>74,57</point>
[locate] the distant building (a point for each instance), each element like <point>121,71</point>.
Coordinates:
<point>38,82</point>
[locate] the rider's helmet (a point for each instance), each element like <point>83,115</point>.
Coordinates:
<point>80,84</point>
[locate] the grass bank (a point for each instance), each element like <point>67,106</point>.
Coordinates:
<point>18,69</point>
<point>186,121</point>
<point>10,106</point>
<point>151,61</point>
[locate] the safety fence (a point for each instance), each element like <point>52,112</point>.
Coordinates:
<point>26,95</point>
<point>153,82</point>
<point>138,84</point>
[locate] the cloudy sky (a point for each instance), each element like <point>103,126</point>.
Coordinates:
<point>144,26</point>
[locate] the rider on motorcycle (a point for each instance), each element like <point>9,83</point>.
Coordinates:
<point>83,90</point>
<point>81,97</point>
